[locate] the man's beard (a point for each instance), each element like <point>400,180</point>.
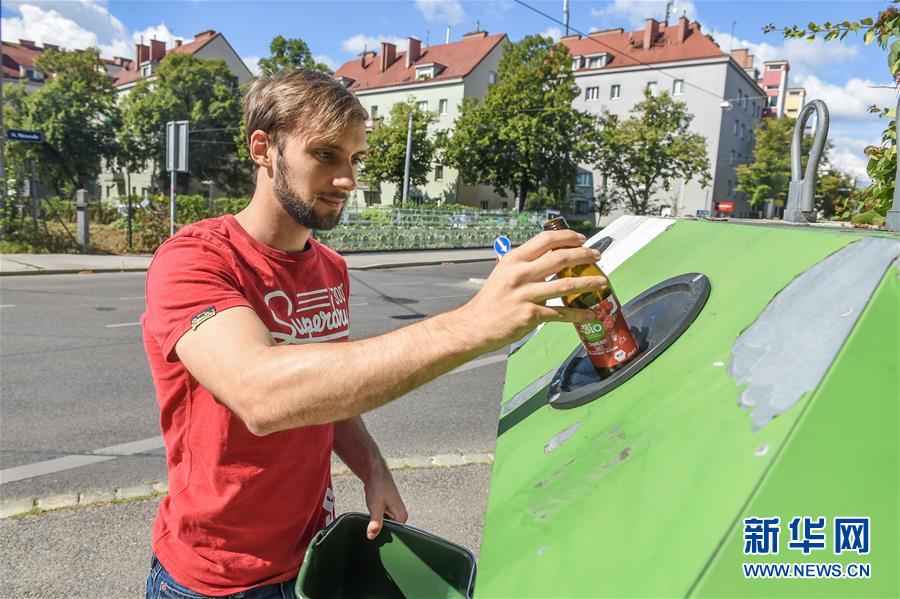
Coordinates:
<point>302,210</point>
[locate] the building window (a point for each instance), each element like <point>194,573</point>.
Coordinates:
<point>442,106</point>
<point>678,87</point>
<point>492,77</point>
<point>774,67</point>
<point>423,105</point>
<point>733,158</point>
<point>576,63</point>
<point>374,112</point>
<point>614,92</point>
<point>773,101</point>
<point>439,172</point>
<point>734,130</point>
<point>584,180</point>
<point>146,70</point>
<point>581,206</point>
<point>592,93</point>
<point>772,87</point>
<point>652,86</point>
<point>596,62</point>
<point>484,204</point>
<point>742,131</point>
<point>425,72</point>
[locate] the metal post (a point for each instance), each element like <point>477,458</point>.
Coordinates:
<point>83,231</point>
<point>409,132</point>
<point>566,15</point>
<point>893,216</point>
<point>128,195</point>
<point>33,190</point>
<point>172,204</point>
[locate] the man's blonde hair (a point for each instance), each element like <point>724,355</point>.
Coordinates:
<point>300,101</point>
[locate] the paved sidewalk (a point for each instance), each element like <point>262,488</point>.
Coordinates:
<point>27,264</point>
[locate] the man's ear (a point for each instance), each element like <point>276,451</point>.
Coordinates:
<point>262,150</point>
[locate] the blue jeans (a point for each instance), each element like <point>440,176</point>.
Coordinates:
<point>161,585</point>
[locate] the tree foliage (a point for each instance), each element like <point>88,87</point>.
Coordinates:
<point>884,29</point>
<point>290,53</point>
<point>203,92</point>
<point>76,111</point>
<point>525,135</point>
<point>646,152</point>
<point>387,147</point>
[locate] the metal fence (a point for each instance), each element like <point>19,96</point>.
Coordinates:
<point>388,228</point>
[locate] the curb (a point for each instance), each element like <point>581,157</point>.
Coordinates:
<point>426,263</point>
<point>72,271</point>
<point>35,505</point>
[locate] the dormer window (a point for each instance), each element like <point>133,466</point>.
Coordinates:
<point>34,74</point>
<point>596,61</point>
<point>576,63</point>
<point>429,70</point>
<point>146,69</point>
<point>346,82</point>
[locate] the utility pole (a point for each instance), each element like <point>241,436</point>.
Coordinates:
<point>566,15</point>
<point>409,130</point>
<point>669,4</point>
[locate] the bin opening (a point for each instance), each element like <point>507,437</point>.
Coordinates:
<point>656,317</point>
<point>401,561</point>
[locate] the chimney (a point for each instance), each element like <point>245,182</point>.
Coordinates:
<point>742,57</point>
<point>157,50</point>
<point>141,54</point>
<point>651,30</point>
<point>50,46</point>
<point>178,43</point>
<point>207,33</point>
<point>388,55</point>
<point>475,35</point>
<point>681,30</point>
<point>413,51</point>
<point>26,43</point>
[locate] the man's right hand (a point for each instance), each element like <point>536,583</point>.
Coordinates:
<point>512,301</point>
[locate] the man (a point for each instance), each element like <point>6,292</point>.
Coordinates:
<point>252,403</point>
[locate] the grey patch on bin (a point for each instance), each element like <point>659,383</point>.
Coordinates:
<point>527,393</point>
<point>786,352</point>
<point>561,437</point>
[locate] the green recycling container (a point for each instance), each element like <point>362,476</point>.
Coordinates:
<point>401,561</point>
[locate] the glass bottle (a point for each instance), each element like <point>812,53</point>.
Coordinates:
<point>608,340</point>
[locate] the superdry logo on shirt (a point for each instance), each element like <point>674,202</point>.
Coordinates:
<point>309,314</point>
<point>202,317</point>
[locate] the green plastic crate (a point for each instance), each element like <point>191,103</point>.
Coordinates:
<point>401,561</point>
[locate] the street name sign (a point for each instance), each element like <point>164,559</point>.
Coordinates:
<point>34,137</point>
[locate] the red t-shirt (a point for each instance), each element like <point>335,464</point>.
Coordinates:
<point>241,509</point>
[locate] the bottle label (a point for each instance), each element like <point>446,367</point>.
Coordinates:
<point>608,340</point>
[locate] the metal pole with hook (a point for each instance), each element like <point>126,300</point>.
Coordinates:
<point>802,191</point>
<point>893,216</point>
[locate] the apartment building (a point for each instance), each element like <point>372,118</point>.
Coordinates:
<point>127,72</point>
<point>437,78</point>
<point>614,67</point>
<point>794,102</point>
<point>774,81</point>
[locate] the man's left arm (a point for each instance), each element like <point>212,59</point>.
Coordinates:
<point>357,449</point>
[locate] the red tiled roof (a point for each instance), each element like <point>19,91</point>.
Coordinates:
<point>459,58</point>
<point>132,74</point>
<point>626,49</point>
<point>18,54</point>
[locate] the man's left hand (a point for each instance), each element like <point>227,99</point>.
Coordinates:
<point>383,499</point>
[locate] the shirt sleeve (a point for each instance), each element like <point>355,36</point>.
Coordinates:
<point>189,281</point>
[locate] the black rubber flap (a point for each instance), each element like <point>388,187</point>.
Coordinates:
<point>657,317</point>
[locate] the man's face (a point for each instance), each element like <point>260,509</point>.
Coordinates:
<point>314,177</point>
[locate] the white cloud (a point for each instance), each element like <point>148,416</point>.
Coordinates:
<point>847,156</point>
<point>160,32</point>
<point>76,25</point>
<point>804,56</point>
<point>554,32</point>
<point>848,101</point>
<point>252,63</point>
<point>326,60</point>
<point>635,12</point>
<point>359,42</point>
<point>447,12</point>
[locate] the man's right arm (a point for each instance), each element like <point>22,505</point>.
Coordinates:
<point>278,387</point>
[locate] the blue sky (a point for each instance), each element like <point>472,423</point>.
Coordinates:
<point>845,74</point>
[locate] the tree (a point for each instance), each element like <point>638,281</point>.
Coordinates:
<point>387,147</point>
<point>882,165</point>
<point>290,53</point>
<point>525,135</point>
<point>76,111</point>
<point>834,193</point>
<point>643,154</point>
<point>768,174</point>
<point>203,92</point>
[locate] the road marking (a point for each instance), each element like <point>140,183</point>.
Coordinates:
<point>68,462</point>
<point>359,304</point>
<point>132,298</point>
<point>434,297</point>
<point>486,361</point>
<point>7,305</point>
<point>123,324</point>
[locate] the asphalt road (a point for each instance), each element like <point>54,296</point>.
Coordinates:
<point>75,379</point>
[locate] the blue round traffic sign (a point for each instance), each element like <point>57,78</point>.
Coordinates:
<point>502,245</point>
